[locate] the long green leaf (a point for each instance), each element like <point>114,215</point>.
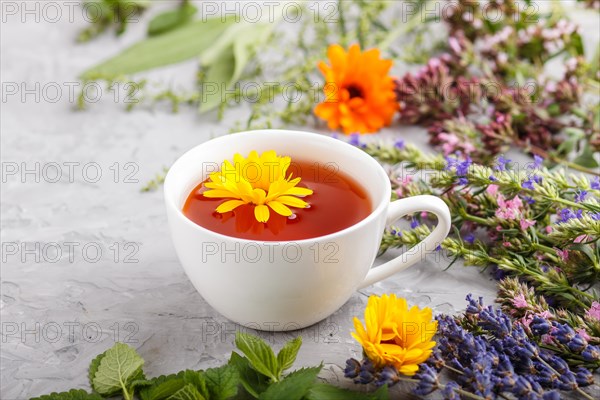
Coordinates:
<point>172,47</point>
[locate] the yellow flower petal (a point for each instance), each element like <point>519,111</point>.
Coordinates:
<point>280,208</point>
<point>261,213</point>
<point>229,205</point>
<point>292,201</point>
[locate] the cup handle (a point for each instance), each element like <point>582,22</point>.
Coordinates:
<point>397,210</point>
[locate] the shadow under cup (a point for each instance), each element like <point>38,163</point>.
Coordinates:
<point>276,285</point>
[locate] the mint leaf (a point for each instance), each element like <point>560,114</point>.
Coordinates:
<point>171,19</point>
<point>261,356</point>
<point>253,381</point>
<point>73,394</point>
<point>325,391</point>
<point>294,386</point>
<point>222,382</point>
<point>94,367</point>
<point>197,379</point>
<point>287,354</point>
<point>188,392</point>
<point>119,366</point>
<point>162,387</point>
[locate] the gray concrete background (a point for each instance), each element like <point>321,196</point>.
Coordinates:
<point>58,312</point>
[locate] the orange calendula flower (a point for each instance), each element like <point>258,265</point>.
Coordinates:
<point>359,93</point>
<point>395,334</point>
<point>259,180</point>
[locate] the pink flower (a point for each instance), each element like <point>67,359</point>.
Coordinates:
<point>548,229</point>
<point>581,238</point>
<point>520,301</point>
<point>526,223</point>
<point>594,311</point>
<point>450,141</point>
<point>509,209</point>
<point>562,254</point>
<point>583,333</point>
<point>546,314</point>
<point>506,244</point>
<point>492,189</point>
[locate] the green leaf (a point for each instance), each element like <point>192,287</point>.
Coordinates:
<point>171,19</point>
<point>172,47</point>
<point>226,60</point>
<point>253,381</point>
<point>120,365</point>
<point>197,379</point>
<point>94,367</point>
<point>73,394</point>
<point>188,392</point>
<point>287,354</point>
<point>162,387</point>
<point>222,382</point>
<point>294,386</point>
<point>261,356</point>
<point>217,80</point>
<point>586,158</point>
<point>325,391</point>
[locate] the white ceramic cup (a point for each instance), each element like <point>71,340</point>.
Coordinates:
<point>290,285</point>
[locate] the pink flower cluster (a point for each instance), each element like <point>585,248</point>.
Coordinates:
<point>594,311</point>
<point>510,209</point>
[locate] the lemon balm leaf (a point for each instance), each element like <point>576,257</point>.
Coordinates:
<point>73,394</point>
<point>261,356</point>
<point>287,354</point>
<point>294,386</point>
<point>222,382</point>
<point>120,365</point>
<point>254,382</point>
<point>188,392</point>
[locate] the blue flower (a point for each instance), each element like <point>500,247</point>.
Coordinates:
<point>595,216</point>
<point>462,169</point>
<point>501,163</point>
<point>529,199</point>
<point>450,391</point>
<point>595,184</point>
<point>540,326</point>
<point>352,368</point>
<point>584,377</point>
<point>567,214</point>
<point>354,140</point>
<point>580,196</point>
<point>387,376</point>
<point>414,223</point>
<point>493,178</point>
<point>528,184</point>
<point>537,161</point>
<point>591,353</point>
<point>469,238</point>
<point>399,144</point>
<point>428,380</point>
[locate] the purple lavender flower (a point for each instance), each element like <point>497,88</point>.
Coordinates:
<point>580,196</point>
<point>493,178</point>
<point>352,368</point>
<point>450,391</point>
<point>537,161</point>
<point>355,140</point>
<point>428,381</point>
<point>595,184</point>
<point>462,168</point>
<point>469,238</point>
<point>528,184</point>
<point>567,214</point>
<point>414,223</point>
<point>529,199</point>
<point>501,163</point>
<point>595,216</point>
<point>399,144</point>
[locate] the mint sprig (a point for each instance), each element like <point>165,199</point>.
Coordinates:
<point>257,374</point>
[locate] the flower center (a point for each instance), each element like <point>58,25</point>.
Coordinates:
<point>354,91</point>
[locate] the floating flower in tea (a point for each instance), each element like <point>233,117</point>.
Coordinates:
<point>259,180</point>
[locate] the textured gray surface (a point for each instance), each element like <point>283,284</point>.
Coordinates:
<point>61,310</point>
